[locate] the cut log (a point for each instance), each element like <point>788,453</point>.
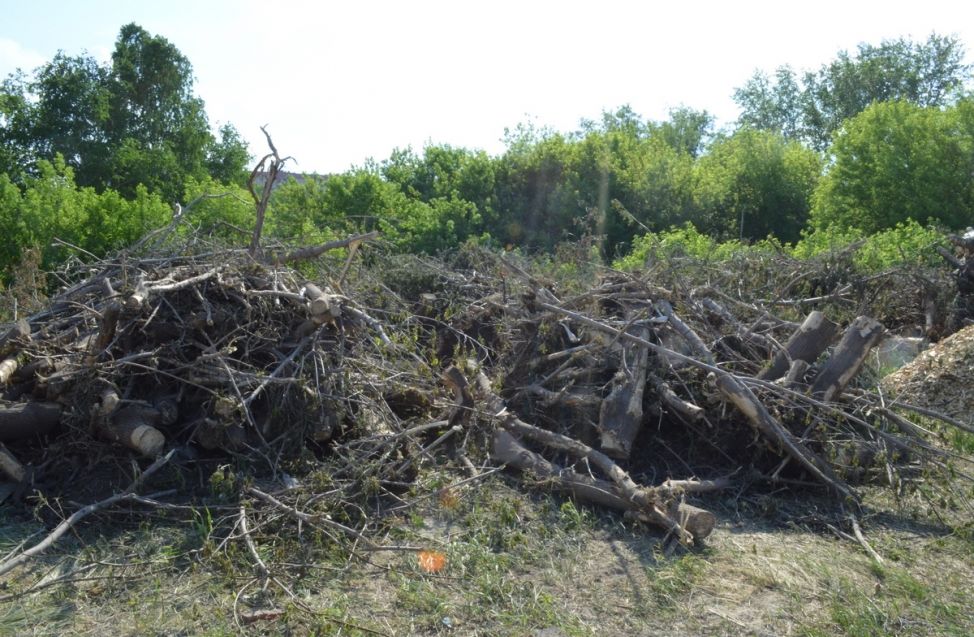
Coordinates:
<point>848,357</point>
<point>26,420</point>
<point>323,306</point>
<point>10,466</point>
<point>812,338</point>
<point>506,449</point>
<point>138,297</point>
<point>621,413</point>
<point>7,369</point>
<point>15,338</point>
<point>133,427</point>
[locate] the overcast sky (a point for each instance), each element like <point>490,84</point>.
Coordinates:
<point>337,83</point>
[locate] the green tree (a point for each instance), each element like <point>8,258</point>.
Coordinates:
<point>772,104</point>
<point>445,172</point>
<point>633,177</point>
<point>532,189</point>
<point>50,205</point>
<point>929,73</point>
<point>687,130</point>
<point>15,121</point>
<point>753,184</point>
<point>897,161</point>
<point>612,178</point>
<point>136,121</point>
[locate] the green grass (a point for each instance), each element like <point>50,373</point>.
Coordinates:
<point>516,561</point>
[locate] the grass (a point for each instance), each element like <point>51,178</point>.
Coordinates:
<point>514,564</point>
<point>894,601</point>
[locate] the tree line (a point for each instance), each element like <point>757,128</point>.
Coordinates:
<point>95,155</point>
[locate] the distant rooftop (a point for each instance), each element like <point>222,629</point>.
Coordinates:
<point>284,176</point>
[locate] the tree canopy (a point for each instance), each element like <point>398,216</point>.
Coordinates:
<point>133,122</point>
<point>897,161</point>
<point>874,140</point>
<point>814,106</point>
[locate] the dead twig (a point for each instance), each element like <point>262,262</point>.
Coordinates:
<point>67,524</point>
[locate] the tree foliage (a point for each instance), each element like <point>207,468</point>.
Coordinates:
<point>755,183</point>
<point>133,122</point>
<point>812,108</point>
<point>897,161</point>
<point>52,206</point>
<point>867,143</point>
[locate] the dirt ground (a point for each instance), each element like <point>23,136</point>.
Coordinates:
<point>520,565</point>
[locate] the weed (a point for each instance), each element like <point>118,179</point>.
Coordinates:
<point>675,578</point>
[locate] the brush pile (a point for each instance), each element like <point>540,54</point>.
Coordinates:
<point>635,392</point>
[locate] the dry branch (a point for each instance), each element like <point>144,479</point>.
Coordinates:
<point>670,399</point>
<point>244,357</point>
<point>313,252</point>
<point>806,344</point>
<point>848,357</point>
<point>26,420</point>
<point>262,201</point>
<point>66,525</point>
<point>688,523</point>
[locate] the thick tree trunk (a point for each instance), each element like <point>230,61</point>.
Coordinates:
<point>621,413</point>
<point>25,420</point>
<point>848,357</point>
<point>132,426</point>
<point>807,343</point>
<point>507,450</point>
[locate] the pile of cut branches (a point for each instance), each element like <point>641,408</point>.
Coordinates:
<point>635,394</point>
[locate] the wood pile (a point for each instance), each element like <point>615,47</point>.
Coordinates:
<point>638,393</point>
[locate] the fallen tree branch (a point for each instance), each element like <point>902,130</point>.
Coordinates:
<point>650,504</point>
<point>26,420</point>
<point>313,252</point>
<point>262,569</point>
<point>688,523</point>
<point>314,520</point>
<point>80,514</point>
<point>738,394</point>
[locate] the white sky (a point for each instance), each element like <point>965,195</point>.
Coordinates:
<point>340,82</point>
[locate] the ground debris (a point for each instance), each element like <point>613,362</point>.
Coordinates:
<point>638,392</point>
